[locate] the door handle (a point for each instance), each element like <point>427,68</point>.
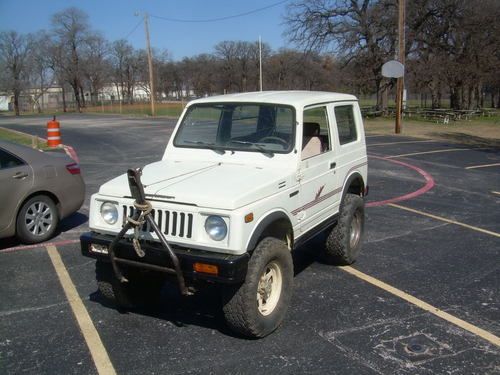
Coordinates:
<point>333,165</point>
<point>20,175</point>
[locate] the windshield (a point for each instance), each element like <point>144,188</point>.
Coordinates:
<point>265,128</point>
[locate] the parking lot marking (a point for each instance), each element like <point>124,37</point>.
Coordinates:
<point>496,192</point>
<point>90,334</point>
<point>400,143</point>
<point>436,152</point>
<point>483,166</point>
<point>477,229</point>
<point>424,305</point>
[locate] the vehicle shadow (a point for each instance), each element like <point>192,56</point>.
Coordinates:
<point>204,308</point>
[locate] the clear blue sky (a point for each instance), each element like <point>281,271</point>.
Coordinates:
<point>115,19</point>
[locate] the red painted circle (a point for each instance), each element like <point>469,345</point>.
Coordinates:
<point>429,184</point>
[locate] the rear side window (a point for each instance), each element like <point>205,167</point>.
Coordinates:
<point>344,114</point>
<point>8,160</point>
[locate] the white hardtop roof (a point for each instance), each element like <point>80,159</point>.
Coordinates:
<point>294,98</point>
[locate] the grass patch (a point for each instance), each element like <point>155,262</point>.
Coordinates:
<point>481,131</point>
<point>23,139</point>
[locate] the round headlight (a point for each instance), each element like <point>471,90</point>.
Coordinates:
<point>216,228</point>
<point>109,213</point>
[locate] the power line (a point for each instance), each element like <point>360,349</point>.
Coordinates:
<point>135,28</point>
<point>219,18</point>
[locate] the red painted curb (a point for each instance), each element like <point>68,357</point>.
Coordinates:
<point>428,185</point>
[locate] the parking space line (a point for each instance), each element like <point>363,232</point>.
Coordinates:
<point>400,143</point>
<point>90,334</point>
<point>477,229</point>
<point>496,192</point>
<point>424,305</point>
<point>483,166</point>
<point>37,245</point>
<point>436,152</point>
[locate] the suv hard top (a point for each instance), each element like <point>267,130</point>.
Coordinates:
<point>245,179</point>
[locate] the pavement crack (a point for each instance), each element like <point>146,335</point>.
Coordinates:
<point>30,309</point>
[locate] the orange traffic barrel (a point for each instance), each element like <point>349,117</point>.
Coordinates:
<point>53,133</point>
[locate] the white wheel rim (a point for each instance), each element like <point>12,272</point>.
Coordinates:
<point>38,219</point>
<point>269,288</point>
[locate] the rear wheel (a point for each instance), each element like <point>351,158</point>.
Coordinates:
<point>257,307</point>
<point>142,288</point>
<point>37,219</point>
<point>343,243</point>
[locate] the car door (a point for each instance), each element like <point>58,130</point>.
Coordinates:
<point>16,180</point>
<point>318,180</point>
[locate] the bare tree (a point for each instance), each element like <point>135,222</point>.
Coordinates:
<point>71,31</point>
<point>96,67</point>
<point>14,51</point>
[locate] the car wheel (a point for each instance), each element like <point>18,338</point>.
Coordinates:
<point>37,219</point>
<point>141,290</point>
<point>257,307</point>
<point>343,243</point>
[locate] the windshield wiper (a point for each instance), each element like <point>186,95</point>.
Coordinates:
<point>258,146</point>
<point>210,146</point>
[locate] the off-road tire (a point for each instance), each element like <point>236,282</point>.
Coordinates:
<point>241,306</point>
<point>23,232</point>
<point>339,248</point>
<point>141,289</point>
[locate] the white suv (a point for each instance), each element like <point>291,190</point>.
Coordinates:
<point>244,180</point>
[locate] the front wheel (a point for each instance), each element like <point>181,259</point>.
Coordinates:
<point>343,243</point>
<point>37,219</point>
<point>257,307</point>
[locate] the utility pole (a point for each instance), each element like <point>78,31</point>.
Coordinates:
<point>150,64</point>
<point>260,61</point>
<point>401,59</point>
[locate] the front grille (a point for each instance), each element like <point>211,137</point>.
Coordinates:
<point>171,223</point>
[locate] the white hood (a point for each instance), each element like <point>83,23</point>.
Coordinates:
<point>205,184</point>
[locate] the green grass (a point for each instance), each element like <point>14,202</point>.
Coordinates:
<point>23,139</point>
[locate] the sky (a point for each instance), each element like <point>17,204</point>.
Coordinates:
<point>116,19</point>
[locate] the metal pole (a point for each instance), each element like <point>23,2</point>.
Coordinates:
<point>150,64</point>
<point>260,61</point>
<point>401,58</point>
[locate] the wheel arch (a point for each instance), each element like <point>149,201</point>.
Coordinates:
<point>354,184</point>
<point>276,224</point>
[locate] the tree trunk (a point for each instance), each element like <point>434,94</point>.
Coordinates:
<point>64,99</point>
<point>16,102</point>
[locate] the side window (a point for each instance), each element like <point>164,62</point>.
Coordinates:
<point>346,124</point>
<point>8,160</point>
<point>316,132</point>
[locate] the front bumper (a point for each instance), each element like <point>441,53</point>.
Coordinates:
<point>231,268</point>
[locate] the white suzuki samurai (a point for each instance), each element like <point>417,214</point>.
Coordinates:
<point>244,180</point>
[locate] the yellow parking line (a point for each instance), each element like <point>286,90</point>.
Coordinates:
<point>90,334</point>
<point>400,143</point>
<point>483,166</point>
<point>425,306</point>
<point>496,192</point>
<point>436,152</point>
<point>477,229</point>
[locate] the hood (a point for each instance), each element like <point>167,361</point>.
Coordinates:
<point>204,184</point>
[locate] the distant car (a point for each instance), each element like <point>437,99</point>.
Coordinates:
<point>37,189</point>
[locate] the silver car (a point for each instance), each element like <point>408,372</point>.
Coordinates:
<point>37,189</point>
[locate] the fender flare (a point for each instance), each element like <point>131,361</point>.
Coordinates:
<point>349,180</point>
<point>263,224</point>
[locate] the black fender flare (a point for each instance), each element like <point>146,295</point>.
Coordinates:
<point>349,180</point>
<point>261,227</point>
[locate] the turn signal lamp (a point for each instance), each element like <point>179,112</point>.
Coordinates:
<point>206,268</point>
<point>249,217</point>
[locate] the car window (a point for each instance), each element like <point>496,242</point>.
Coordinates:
<point>344,115</point>
<point>7,160</point>
<point>316,132</point>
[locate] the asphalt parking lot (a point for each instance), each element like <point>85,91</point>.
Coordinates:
<point>423,297</point>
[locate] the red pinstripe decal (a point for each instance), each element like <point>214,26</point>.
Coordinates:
<point>320,199</point>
